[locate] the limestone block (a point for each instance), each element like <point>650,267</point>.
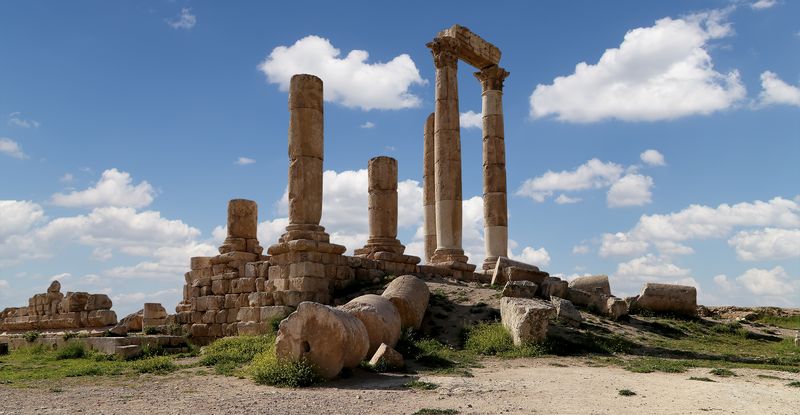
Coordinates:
<point>520,289</point>
<point>128,351</point>
<point>154,311</point>
<point>199,330</point>
<point>215,330</point>
<point>306,269</point>
<point>220,287</point>
<point>591,283</point>
<point>269,313</point>
<point>305,91</point>
<point>583,298</point>
<point>380,317</point>
<point>553,287</point>
<point>499,275</point>
<point>133,321</point>
<point>258,299</point>
<point>494,178</point>
<point>243,285</point>
<point>252,328</point>
<point>102,318</point>
<point>386,358</point>
<point>98,302</point>
<point>54,287</point>
<point>616,307</point>
<point>305,190</point>
<point>199,262</point>
<point>668,298</point>
<point>328,338</point>
<point>306,133</point>
<point>215,302</point>
<point>527,319</point>
<point>249,314</point>
<point>75,301</point>
<point>410,295</point>
<point>566,312</point>
<point>242,218</point>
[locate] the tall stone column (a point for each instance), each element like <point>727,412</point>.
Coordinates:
<point>305,158</point>
<point>429,189</point>
<point>382,177</point>
<point>447,155</point>
<point>242,227</point>
<point>495,209</point>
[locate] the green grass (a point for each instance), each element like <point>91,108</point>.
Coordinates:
<point>418,384</point>
<point>492,339</point>
<point>72,350</point>
<point>160,365</point>
<point>786,322</point>
<point>267,369</point>
<point>429,411</point>
<point>794,384</point>
<point>657,364</point>
<point>722,372</point>
<point>228,355</point>
<point>702,379</point>
<point>771,377</point>
<point>651,364</point>
<point>626,392</point>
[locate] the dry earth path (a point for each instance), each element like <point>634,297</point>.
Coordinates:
<point>523,386</point>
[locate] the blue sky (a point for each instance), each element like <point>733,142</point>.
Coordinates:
<point>650,141</point>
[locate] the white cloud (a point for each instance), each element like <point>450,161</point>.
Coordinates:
<point>539,257</point>
<point>471,119</point>
<point>169,262</point>
<point>185,20</point>
<point>775,91</point>
<point>367,125</point>
<point>774,282</point>
<point>130,302</point>
<point>770,243</point>
<point>101,254</point>
<point>242,161</point>
<point>349,81</point>
<point>671,248</point>
<point>17,216</point>
<point>650,268</point>
<point>15,118</point>
<point>113,189</point>
<point>592,174</point>
<point>60,277</point>
<point>652,157</point>
<point>563,199</point>
<point>724,283</point>
<point>630,190</point>
<point>66,178</point>
<point>11,148</point>
<point>621,244</point>
<point>660,72</point>
<point>763,4</point>
<point>580,249</point>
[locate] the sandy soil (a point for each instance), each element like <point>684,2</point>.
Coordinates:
<point>523,386</point>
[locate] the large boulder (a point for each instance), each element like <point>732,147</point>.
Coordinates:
<point>591,284</point>
<point>527,319</point>
<point>410,295</point>
<point>380,318</point>
<point>667,298</point>
<point>328,338</point>
<point>566,312</point>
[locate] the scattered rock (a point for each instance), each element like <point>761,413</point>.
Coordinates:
<point>566,311</point>
<point>591,284</point>
<point>553,287</point>
<point>527,319</point>
<point>520,289</point>
<point>616,307</point>
<point>386,358</point>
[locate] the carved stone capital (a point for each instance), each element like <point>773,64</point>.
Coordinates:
<point>492,78</point>
<point>445,52</point>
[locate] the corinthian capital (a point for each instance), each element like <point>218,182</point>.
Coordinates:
<point>492,77</point>
<point>445,52</point>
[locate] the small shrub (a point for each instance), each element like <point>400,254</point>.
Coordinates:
<point>267,369</point>
<point>91,370</point>
<point>795,384</point>
<point>229,353</point>
<point>275,323</point>
<point>418,384</point>
<point>72,350</point>
<point>488,339</point>
<point>159,365</point>
<point>152,330</point>
<point>31,336</point>
<point>702,379</point>
<point>70,335</point>
<point>722,372</point>
<point>626,392</point>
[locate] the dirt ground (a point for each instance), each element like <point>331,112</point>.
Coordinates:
<point>523,386</point>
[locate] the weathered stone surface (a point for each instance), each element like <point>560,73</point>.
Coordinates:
<point>154,311</point>
<point>471,47</point>
<point>119,330</point>
<point>75,301</point>
<point>553,287</point>
<point>327,337</point>
<point>410,295</point>
<point>242,219</point>
<point>128,352</point>
<point>583,298</point>
<point>592,283</point>
<point>523,271</point>
<point>54,287</point>
<point>387,358</point>
<point>520,289</point>
<point>98,302</point>
<point>527,319</point>
<point>133,321</point>
<point>667,298</point>
<point>429,189</point>
<point>566,312</point>
<point>380,318</point>
<point>616,307</point>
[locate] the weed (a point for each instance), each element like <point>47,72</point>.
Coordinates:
<point>786,322</point>
<point>229,353</point>
<point>84,371</point>
<point>702,379</point>
<point>151,330</point>
<point>72,350</point>
<point>626,392</point>
<point>70,335</point>
<point>722,372</point>
<point>652,364</point>
<point>56,389</point>
<point>267,369</point>
<point>275,323</point>
<point>31,336</point>
<point>771,377</point>
<point>795,384</point>
<point>159,365</point>
<point>418,384</point>
<point>488,339</point>
<point>430,411</point>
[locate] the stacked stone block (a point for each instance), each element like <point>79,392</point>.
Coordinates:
<point>54,310</point>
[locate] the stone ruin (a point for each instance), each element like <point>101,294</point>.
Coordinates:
<point>55,311</point>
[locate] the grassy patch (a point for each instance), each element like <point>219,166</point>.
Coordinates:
<point>31,336</point>
<point>722,372</point>
<point>795,384</point>
<point>36,363</point>
<point>492,339</point>
<point>267,369</point>
<point>160,365</point>
<point>433,411</point>
<point>72,350</point>
<point>229,354</point>
<point>786,322</point>
<point>652,364</point>
<point>771,377</point>
<point>702,379</point>
<point>626,392</point>
<point>418,384</point>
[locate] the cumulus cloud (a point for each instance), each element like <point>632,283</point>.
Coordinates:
<point>763,4</point>
<point>774,91</point>
<point>114,188</point>
<point>185,20</point>
<point>774,282</point>
<point>660,72</point>
<point>621,244</point>
<point>767,244</point>
<point>471,119</point>
<point>11,148</point>
<point>17,216</point>
<point>630,190</point>
<point>580,249</point>
<point>350,81</point>
<point>539,257</point>
<point>593,174</point>
<point>563,199</point>
<point>652,158</point>
<point>724,283</point>
<point>631,275</point>
<point>15,119</point>
<point>243,161</point>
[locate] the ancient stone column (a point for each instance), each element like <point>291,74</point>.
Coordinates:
<point>382,177</point>
<point>495,209</point>
<point>242,227</point>
<point>447,155</point>
<point>305,155</point>
<point>429,188</point>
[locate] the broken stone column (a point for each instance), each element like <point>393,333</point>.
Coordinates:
<point>380,317</point>
<point>447,156</point>
<point>305,266</point>
<point>592,284</point>
<point>667,298</point>
<point>329,338</point>
<point>382,243</point>
<point>242,228</point>
<point>410,295</point>
<point>429,188</point>
<point>495,209</point>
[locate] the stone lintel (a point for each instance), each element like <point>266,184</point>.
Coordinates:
<point>472,48</point>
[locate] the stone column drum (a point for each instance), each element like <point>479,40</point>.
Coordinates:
<point>495,209</point>
<point>382,176</point>
<point>447,155</point>
<point>306,125</point>
<point>429,188</point>
<point>242,227</point>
